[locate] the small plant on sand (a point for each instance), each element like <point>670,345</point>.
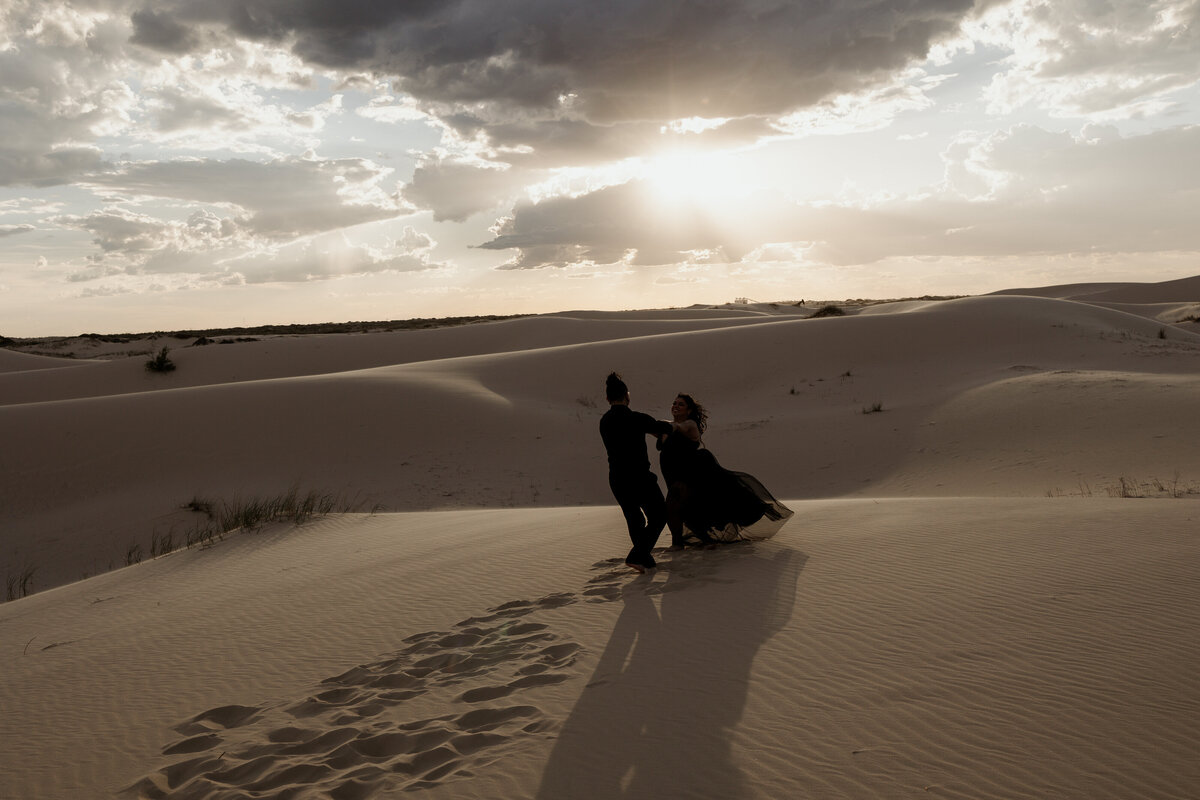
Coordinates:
<point>17,586</point>
<point>160,362</point>
<point>827,311</point>
<point>874,408</point>
<point>201,536</point>
<point>162,543</point>
<point>200,505</point>
<point>133,555</point>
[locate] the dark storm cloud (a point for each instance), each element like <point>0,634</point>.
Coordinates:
<point>603,62</point>
<point>162,32</point>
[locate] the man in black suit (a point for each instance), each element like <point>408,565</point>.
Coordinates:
<point>635,487</point>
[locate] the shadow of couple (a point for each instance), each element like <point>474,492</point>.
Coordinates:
<point>657,717</point>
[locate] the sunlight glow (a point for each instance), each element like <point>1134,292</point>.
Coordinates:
<point>689,177</point>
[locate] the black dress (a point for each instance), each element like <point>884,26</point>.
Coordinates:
<point>726,505</point>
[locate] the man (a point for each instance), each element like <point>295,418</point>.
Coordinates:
<point>634,486</point>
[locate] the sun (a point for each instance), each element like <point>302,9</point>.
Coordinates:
<point>710,180</point>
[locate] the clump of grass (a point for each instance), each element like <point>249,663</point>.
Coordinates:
<point>252,514</point>
<point>160,362</point>
<point>200,505</point>
<point>827,311</point>
<point>1155,487</point>
<point>162,543</point>
<point>19,585</point>
<point>874,408</point>
<point>222,517</point>
<point>1131,487</point>
<point>1125,488</point>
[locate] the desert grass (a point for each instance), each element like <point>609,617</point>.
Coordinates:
<point>20,584</point>
<point>1128,487</point>
<point>221,517</point>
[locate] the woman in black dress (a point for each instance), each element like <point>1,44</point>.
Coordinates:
<point>712,503</point>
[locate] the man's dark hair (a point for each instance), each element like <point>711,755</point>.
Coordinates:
<point>615,388</point>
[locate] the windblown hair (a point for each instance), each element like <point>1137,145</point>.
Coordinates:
<point>696,412</point>
<point>615,388</point>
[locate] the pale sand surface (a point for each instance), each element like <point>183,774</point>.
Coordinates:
<point>965,647</point>
<point>959,607</point>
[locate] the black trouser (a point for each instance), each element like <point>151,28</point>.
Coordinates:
<point>645,512</point>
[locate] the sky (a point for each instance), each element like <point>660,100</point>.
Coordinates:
<point>180,164</point>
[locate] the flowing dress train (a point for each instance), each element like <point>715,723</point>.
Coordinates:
<point>720,504</point>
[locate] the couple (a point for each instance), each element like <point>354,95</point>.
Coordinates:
<point>712,503</point>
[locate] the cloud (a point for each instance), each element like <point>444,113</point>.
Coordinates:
<point>1109,60</point>
<point>455,190</point>
<point>1021,191</point>
<point>608,225</point>
<point>263,205</point>
<point>13,230</point>
<point>587,77</point>
<point>278,199</point>
<point>131,243</point>
<point>210,247</point>
<point>28,205</point>
<point>1045,193</point>
<point>59,92</point>
<point>332,256</point>
<point>162,32</point>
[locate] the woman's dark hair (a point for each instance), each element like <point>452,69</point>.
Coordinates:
<point>696,412</point>
<point>615,388</point>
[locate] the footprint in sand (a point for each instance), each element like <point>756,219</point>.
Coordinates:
<point>350,738</point>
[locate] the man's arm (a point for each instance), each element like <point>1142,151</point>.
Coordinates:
<point>651,426</point>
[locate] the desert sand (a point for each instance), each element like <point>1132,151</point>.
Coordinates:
<point>988,590</point>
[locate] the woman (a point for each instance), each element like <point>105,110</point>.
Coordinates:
<point>711,502</point>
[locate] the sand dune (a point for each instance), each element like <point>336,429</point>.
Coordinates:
<point>266,358</point>
<point>966,603</point>
<point>14,362</point>
<point>875,648</point>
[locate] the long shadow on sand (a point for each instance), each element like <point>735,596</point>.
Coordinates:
<point>657,717</point>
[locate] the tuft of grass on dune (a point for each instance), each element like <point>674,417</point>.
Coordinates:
<point>20,584</point>
<point>251,514</point>
<point>1127,487</point>
<point>221,517</point>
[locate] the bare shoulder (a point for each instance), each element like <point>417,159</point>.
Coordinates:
<point>688,428</point>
